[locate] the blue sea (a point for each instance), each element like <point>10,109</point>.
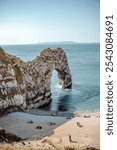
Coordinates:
<point>84,63</point>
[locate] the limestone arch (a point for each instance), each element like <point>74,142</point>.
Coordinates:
<point>58,60</point>
<point>27,84</point>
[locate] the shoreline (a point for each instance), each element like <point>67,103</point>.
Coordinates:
<point>62,129</point>
<point>44,112</point>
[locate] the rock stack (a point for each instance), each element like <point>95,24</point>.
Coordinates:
<point>27,84</point>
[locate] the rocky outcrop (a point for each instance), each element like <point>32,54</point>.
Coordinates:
<point>27,84</point>
<point>8,137</point>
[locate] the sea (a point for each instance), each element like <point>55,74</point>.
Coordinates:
<point>84,64</point>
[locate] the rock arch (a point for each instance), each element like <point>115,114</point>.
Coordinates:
<point>27,84</point>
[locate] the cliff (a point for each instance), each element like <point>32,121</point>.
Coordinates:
<point>27,84</point>
<point>8,137</point>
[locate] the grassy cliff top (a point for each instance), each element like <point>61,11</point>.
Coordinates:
<point>3,57</point>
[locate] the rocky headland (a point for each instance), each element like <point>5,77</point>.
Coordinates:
<point>27,85</point>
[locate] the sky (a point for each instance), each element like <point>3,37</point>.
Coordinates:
<point>35,21</point>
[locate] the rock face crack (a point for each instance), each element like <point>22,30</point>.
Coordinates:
<point>28,84</point>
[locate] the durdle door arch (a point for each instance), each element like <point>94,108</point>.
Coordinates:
<point>28,84</point>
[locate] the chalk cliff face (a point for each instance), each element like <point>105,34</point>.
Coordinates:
<point>27,84</point>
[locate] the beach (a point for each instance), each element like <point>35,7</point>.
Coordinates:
<point>57,130</point>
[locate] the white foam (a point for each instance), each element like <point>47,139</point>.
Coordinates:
<point>58,86</point>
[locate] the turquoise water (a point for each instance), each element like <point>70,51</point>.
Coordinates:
<point>84,63</point>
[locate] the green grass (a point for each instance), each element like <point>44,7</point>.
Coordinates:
<point>47,72</point>
<point>18,74</point>
<point>3,57</point>
<point>2,96</point>
<point>13,91</point>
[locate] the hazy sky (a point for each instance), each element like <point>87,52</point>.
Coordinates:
<point>34,21</point>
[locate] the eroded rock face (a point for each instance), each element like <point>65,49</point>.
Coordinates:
<point>27,84</point>
<point>8,137</point>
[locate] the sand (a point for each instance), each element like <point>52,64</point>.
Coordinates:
<point>82,130</point>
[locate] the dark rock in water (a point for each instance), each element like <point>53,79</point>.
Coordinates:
<point>61,108</point>
<point>30,121</point>
<point>68,118</point>
<point>27,84</point>
<point>39,127</point>
<point>51,123</point>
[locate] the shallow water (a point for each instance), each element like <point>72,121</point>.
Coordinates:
<point>84,63</point>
